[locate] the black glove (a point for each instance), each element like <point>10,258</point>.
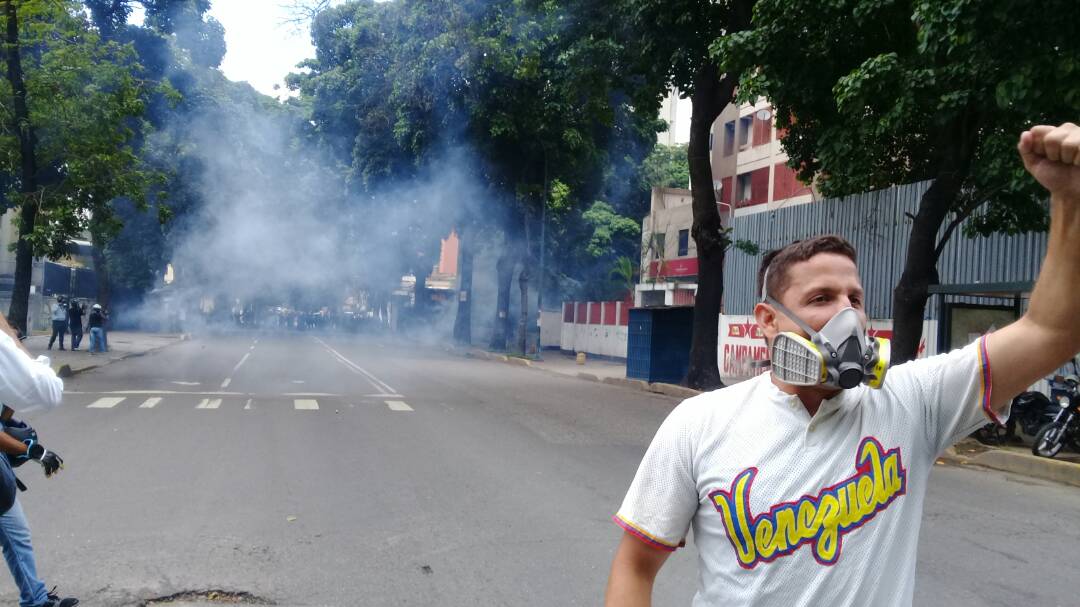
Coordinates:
<point>49,460</point>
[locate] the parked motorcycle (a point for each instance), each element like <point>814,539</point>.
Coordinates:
<point>1065,427</point>
<point>1031,411</point>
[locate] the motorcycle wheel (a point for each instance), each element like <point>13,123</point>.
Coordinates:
<point>1048,441</point>
<point>1072,436</point>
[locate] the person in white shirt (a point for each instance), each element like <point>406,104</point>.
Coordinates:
<point>25,382</point>
<point>805,485</point>
<point>59,315</point>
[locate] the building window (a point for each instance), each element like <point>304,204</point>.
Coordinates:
<point>729,138</point>
<point>742,188</point>
<point>684,242</point>
<point>658,245</point>
<point>746,126</point>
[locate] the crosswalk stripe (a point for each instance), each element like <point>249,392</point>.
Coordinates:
<point>397,405</point>
<point>306,404</point>
<point>209,403</point>
<point>150,403</point>
<point>107,402</point>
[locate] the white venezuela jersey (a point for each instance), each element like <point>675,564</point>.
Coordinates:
<point>792,510</point>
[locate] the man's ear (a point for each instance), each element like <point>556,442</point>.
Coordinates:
<point>765,316</point>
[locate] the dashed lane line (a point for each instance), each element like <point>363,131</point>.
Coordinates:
<point>397,405</point>
<point>306,404</point>
<point>228,380</point>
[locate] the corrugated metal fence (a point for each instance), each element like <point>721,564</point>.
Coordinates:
<point>877,224</point>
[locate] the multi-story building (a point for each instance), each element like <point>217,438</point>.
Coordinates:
<point>750,174</point>
<point>749,161</point>
<point>669,263</point>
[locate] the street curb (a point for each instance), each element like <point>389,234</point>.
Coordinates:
<point>673,390</point>
<point>626,382</point>
<point>1018,463</point>
<point>1029,465</point>
<point>66,370</point>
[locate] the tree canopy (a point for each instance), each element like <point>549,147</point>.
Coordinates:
<point>887,93</point>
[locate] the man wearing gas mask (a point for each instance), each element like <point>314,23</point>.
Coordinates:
<point>805,485</point>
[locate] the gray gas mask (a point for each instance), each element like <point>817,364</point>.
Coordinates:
<point>840,355</point>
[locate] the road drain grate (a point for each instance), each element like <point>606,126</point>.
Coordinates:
<point>223,597</point>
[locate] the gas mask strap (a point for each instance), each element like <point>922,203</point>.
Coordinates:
<point>769,299</point>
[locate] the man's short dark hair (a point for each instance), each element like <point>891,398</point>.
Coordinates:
<point>779,261</point>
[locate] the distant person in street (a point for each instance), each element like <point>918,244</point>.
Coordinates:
<point>75,323</point>
<point>805,485</point>
<point>96,323</point>
<point>59,315</point>
<point>104,329</point>
<point>24,382</point>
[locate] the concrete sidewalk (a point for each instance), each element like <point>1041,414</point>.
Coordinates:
<point>594,369</point>
<point>1018,459</point>
<point>122,344</point>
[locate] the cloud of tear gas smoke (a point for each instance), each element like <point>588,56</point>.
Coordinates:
<point>278,225</point>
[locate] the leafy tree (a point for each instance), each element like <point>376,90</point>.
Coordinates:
<point>530,89</point>
<point>882,93</point>
<point>672,50</point>
<point>665,167</point>
<point>72,108</point>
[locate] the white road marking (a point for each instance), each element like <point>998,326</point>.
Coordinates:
<point>228,380</point>
<point>306,404</point>
<point>309,394</point>
<point>209,403</point>
<point>186,383</point>
<point>105,403</point>
<point>247,407</point>
<point>374,381</point>
<point>397,405</point>
<point>150,403</point>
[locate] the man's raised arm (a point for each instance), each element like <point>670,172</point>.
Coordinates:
<point>1047,335</point>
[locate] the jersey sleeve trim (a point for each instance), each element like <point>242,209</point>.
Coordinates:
<point>987,382</point>
<point>642,535</point>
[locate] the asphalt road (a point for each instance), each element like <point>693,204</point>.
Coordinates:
<point>331,470</point>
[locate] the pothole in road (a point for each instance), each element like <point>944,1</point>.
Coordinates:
<point>223,597</point>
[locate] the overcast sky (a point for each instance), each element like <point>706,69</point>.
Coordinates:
<point>261,50</point>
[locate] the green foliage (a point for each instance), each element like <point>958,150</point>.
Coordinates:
<point>531,90</point>
<point>666,167</point>
<point>747,246</point>
<point>882,93</point>
<point>625,272</point>
<point>610,231</point>
<point>86,107</point>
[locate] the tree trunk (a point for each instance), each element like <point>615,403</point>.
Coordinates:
<point>711,95</point>
<point>920,266</point>
<point>523,287</point>
<point>504,275</point>
<point>463,321</point>
<point>101,270</point>
<point>24,130</point>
